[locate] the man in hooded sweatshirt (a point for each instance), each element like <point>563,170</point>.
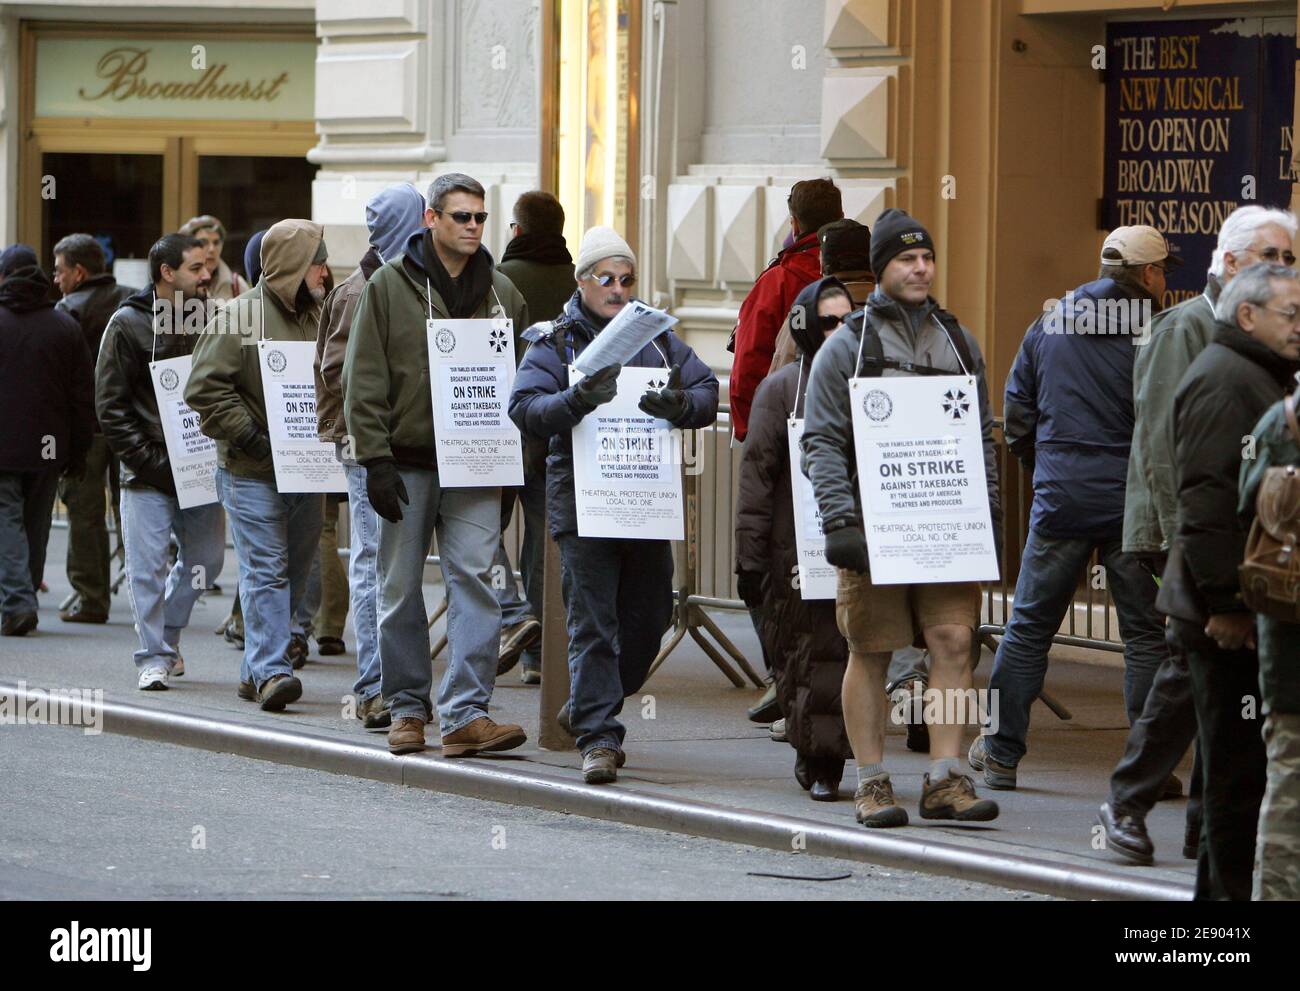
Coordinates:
<point>445,272</point>
<point>275,534</point>
<point>149,327</point>
<point>910,335</point>
<point>46,405</point>
<point>392,216</point>
<point>1069,419</point>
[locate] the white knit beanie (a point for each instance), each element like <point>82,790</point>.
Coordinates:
<point>598,244</point>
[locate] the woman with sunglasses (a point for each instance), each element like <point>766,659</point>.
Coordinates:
<point>808,653</point>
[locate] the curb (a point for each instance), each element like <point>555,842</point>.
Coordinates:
<point>616,804</point>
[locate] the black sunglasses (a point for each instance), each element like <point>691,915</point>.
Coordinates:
<point>463,217</point>
<point>605,281</point>
<point>829,323</point>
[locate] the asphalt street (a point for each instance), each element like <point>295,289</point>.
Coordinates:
<point>116,818</point>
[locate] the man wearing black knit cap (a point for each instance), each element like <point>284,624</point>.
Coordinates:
<point>910,334</point>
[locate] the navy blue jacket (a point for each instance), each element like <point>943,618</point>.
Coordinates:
<point>1069,409</point>
<point>542,403</point>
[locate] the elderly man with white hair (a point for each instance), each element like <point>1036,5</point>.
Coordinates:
<point>1159,739</point>
<point>618,593</point>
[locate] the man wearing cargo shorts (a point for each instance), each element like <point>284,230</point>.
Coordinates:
<point>900,331</point>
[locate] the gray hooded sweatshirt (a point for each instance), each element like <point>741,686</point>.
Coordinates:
<point>907,334</point>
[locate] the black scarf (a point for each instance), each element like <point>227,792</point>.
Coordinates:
<point>25,289</point>
<point>545,249</point>
<point>465,295</point>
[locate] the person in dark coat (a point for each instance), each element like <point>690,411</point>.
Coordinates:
<point>46,405</point>
<point>90,295</point>
<point>1069,419</point>
<point>618,593</point>
<point>538,262</point>
<point>808,652</point>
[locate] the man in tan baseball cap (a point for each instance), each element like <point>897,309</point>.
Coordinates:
<point>1143,248</point>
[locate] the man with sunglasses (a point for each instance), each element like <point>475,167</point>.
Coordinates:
<point>1159,739</point>
<point>444,273</point>
<point>618,593</point>
<point>1069,419</point>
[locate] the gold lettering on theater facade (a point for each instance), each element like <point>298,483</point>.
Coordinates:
<point>123,71</point>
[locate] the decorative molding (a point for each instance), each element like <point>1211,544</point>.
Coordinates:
<point>370,88</point>
<point>688,232</point>
<point>736,233</point>
<point>496,88</point>
<point>865,203</point>
<point>857,24</point>
<point>347,17</point>
<point>855,115</point>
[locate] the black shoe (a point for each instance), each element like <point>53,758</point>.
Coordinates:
<point>1191,842</point>
<point>918,738</point>
<point>768,709</point>
<point>1173,789</point>
<point>825,791</point>
<point>298,651</point>
<point>18,624</point>
<point>279,691</point>
<point>78,614</point>
<point>329,646</point>
<point>1127,836</point>
<point>802,773</point>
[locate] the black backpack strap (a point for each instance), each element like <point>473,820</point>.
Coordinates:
<point>958,340</point>
<point>871,351</point>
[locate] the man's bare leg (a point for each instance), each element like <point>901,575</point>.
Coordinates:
<point>865,706</point>
<point>950,670</point>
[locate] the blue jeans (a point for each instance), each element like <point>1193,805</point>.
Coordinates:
<point>468,523</point>
<point>363,582</point>
<point>1050,570</point>
<point>514,608</point>
<point>26,502</point>
<point>618,595</point>
<point>276,540</point>
<point>162,598</point>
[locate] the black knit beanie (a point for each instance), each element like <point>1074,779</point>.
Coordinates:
<point>895,232</point>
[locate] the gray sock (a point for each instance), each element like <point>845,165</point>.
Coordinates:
<point>939,768</point>
<point>868,771</point>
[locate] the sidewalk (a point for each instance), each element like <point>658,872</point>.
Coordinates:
<point>688,737</point>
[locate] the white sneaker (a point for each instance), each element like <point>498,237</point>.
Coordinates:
<point>153,679</point>
<point>777,731</point>
<point>178,665</point>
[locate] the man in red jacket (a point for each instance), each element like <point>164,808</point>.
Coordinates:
<point>813,203</point>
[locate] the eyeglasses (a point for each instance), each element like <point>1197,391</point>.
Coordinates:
<point>1291,316</point>
<point>1274,255</point>
<point>605,281</point>
<point>463,217</point>
<point>829,323</point>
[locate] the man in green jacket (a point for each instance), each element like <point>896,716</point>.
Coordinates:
<point>1277,852</point>
<point>538,262</point>
<point>275,533</point>
<point>1159,739</point>
<point>445,273</point>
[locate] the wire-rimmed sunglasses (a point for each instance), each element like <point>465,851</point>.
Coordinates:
<point>605,281</point>
<point>463,217</point>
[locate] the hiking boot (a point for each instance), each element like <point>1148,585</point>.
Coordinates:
<point>247,691</point>
<point>875,806</point>
<point>298,650</point>
<point>279,691</point>
<point>955,798</point>
<point>1173,789</point>
<point>1127,836</point>
<point>406,736</point>
<point>515,640</point>
<point>374,713</point>
<point>768,709</point>
<point>997,776</point>
<point>482,736</point>
<point>329,646</point>
<point>600,766</point>
<point>18,624</point>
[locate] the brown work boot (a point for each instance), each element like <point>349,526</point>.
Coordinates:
<point>482,736</point>
<point>600,766</point>
<point>955,798</point>
<point>875,805</point>
<point>406,736</point>
<point>374,713</point>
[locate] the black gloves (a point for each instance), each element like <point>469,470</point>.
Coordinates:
<point>255,443</point>
<point>750,586</point>
<point>668,404</point>
<point>385,489</point>
<point>847,548</point>
<point>598,388</point>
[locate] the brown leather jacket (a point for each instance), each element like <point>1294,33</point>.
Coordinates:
<point>859,284</point>
<point>332,346</point>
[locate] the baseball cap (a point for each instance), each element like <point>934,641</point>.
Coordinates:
<point>1139,246</point>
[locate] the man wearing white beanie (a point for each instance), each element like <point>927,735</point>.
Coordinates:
<point>618,593</point>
